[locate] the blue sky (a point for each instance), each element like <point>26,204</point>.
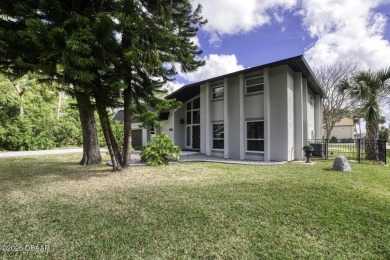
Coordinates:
<point>247,33</point>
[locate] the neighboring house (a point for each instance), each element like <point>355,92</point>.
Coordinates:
<point>265,113</point>
<point>344,129</point>
<point>139,136</point>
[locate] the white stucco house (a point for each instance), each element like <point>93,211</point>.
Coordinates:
<point>265,113</point>
<point>344,129</point>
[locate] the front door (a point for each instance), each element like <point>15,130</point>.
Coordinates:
<point>196,137</point>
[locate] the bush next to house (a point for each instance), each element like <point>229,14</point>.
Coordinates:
<point>160,150</point>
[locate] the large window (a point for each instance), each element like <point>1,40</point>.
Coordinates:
<point>255,136</point>
<point>254,85</point>
<point>218,136</point>
<point>192,120</point>
<point>188,136</point>
<point>193,112</point>
<point>217,92</point>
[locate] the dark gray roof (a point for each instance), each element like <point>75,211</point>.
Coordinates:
<point>297,64</point>
<point>120,115</point>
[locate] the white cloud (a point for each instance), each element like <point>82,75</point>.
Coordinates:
<point>196,41</point>
<point>216,65</point>
<point>228,17</point>
<point>173,86</point>
<point>346,31</point>
<point>278,17</point>
<point>342,30</point>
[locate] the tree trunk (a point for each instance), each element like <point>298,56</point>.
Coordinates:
<point>21,111</point>
<point>111,142</point>
<point>327,130</point>
<point>127,115</point>
<point>91,149</point>
<point>21,93</point>
<point>371,137</point>
<point>59,104</point>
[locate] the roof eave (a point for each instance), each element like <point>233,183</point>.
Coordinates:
<point>298,60</point>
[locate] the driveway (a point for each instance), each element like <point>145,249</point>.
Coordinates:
<point>45,152</point>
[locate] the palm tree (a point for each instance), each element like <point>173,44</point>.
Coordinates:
<point>370,90</point>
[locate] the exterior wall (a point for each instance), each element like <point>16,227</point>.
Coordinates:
<point>216,110</point>
<point>169,126</point>
<point>284,105</point>
<point>179,129</point>
<point>234,117</point>
<point>298,116</point>
<point>254,106</point>
<point>203,119</point>
<point>279,113</point>
<point>290,115</point>
<point>310,117</point>
<point>305,114</point>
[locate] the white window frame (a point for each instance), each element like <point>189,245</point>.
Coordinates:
<point>251,139</point>
<point>246,85</point>
<point>212,136</point>
<point>212,92</point>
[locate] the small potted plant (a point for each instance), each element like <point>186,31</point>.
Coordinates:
<point>308,152</point>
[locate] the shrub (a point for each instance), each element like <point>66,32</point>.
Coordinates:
<point>119,133</point>
<point>160,150</point>
<point>346,140</point>
<point>137,147</point>
<point>67,132</point>
<point>333,139</point>
<point>308,148</point>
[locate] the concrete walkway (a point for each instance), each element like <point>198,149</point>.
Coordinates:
<point>185,156</point>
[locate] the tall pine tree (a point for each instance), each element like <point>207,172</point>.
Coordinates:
<point>102,47</point>
<point>37,36</point>
<point>154,37</point>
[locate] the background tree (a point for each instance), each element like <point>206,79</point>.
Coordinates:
<point>32,35</point>
<point>338,104</point>
<point>369,90</point>
<point>104,46</point>
<point>384,133</point>
<point>38,127</point>
<point>356,122</point>
<point>357,117</point>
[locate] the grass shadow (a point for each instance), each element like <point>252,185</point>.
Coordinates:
<point>16,172</point>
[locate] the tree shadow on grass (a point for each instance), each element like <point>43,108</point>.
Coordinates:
<point>17,172</point>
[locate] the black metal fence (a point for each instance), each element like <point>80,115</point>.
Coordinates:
<point>354,149</point>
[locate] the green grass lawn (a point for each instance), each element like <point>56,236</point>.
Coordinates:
<point>194,210</point>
